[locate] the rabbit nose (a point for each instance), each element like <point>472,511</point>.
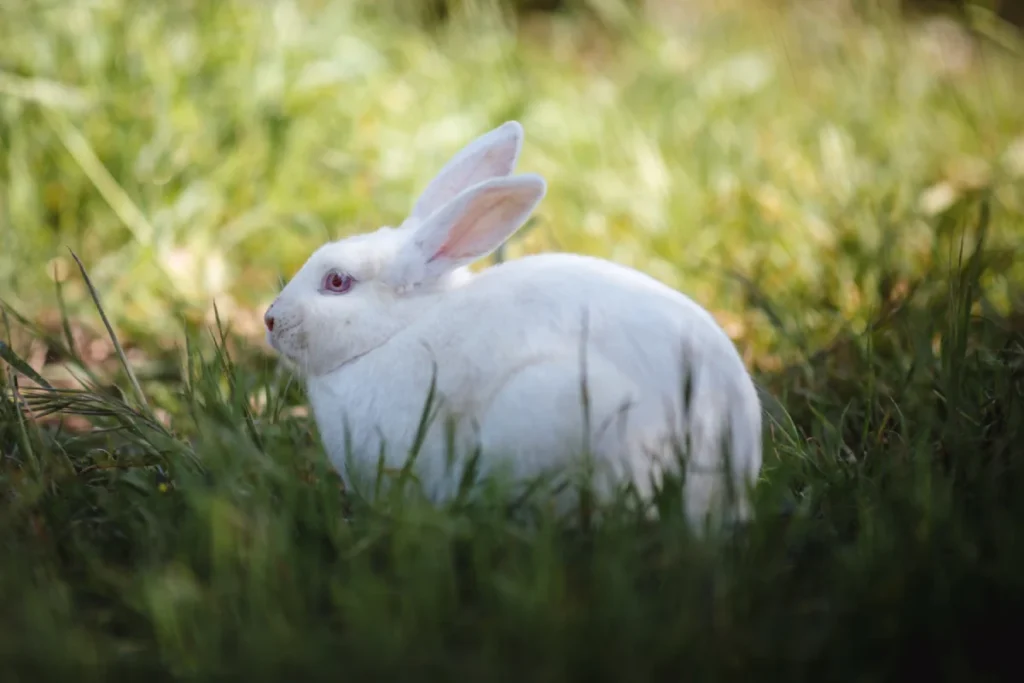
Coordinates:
<point>269,321</point>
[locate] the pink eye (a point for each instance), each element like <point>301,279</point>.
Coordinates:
<point>336,282</point>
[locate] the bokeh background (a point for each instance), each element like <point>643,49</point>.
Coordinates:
<point>788,164</point>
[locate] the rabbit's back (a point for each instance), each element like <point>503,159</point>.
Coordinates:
<point>678,369</point>
<point>552,302</point>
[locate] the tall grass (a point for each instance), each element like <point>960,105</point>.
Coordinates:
<point>886,540</point>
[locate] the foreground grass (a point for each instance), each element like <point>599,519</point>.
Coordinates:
<point>887,542</point>
<point>863,178</point>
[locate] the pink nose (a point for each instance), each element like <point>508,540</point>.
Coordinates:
<point>268,320</point>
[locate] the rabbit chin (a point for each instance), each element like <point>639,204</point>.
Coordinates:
<point>291,364</point>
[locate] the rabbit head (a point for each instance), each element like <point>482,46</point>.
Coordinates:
<point>351,296</point>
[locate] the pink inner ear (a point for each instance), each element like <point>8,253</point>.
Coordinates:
<point>469,236</point>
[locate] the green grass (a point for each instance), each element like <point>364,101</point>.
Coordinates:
<point>843,188</point>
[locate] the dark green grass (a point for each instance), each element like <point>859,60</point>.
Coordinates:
<point>888,541</point>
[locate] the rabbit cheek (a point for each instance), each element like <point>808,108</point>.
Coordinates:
<point>288,336</point>
<point>294,340</point>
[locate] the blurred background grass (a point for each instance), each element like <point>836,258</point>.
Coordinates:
<point>196,152</point>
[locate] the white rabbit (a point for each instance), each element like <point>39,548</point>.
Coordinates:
<point>371,320</point>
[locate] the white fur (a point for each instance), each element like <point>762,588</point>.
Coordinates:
<point>507,346</point>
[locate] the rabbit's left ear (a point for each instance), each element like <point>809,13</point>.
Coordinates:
<point>468,228</point>
<point>492,155</point>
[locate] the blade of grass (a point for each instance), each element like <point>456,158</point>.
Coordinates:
<point>115,196</point>
<point>23,438</point>
<point>140,397</point>
<point>12,359</point>
<point>426,417</point>
<point>228,366</point>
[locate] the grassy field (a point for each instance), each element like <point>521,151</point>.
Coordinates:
<point>843,188</point>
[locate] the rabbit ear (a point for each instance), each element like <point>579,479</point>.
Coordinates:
<point>492,155</point>
<point>468,228</point>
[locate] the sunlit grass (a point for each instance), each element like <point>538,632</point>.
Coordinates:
<point>198,151</point>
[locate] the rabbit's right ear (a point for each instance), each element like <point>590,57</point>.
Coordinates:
<point>466,229</point>
<point>492,155</point>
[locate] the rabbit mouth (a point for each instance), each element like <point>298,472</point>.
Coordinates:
<point>287,343</point>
